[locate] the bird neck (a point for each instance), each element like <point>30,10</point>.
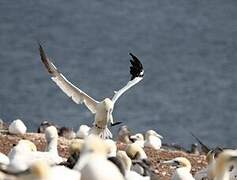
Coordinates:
<point>52,146</point>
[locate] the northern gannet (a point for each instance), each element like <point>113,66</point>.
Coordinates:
<point>24,154</point>
<point>19,156</point>
<point>207,172</point>
<point>129,174</point>
<point>138,139</point>
<point>93,163</point>
<point>17,127</point>
<point>183,168</point>
<point>153,140</point>
<point>74,151</point>
<point>134,151</point>
<point>83,131</point>
<point>40,170</point>
<point>103,109</point>
<point>224,161</point>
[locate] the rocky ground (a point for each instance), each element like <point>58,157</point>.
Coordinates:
<point>198,161</point>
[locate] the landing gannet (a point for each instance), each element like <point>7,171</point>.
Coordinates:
<point>102,110</point>
<point>183,168</point>
<point>17,127</point>
<point>138,139</point>
<point>153,140</point>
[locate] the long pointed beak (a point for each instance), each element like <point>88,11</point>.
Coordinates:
<point>168,162</point>
<point>133,137</point>
<point>159,136</point>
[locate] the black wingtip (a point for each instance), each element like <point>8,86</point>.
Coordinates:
<point>44,58</point>
<point>204,147</point>
<point>136,70</point>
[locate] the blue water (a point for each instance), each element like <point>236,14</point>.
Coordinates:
<point>188,48</point>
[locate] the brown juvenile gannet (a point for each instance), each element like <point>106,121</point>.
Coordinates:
<point>102,109</point>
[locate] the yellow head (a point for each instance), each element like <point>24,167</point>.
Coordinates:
<point>179,162</point>
<point>94,145</point>
<point>40,170</point>
<point>76,146</point>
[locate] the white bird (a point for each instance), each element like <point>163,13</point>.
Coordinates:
<point>224,161</point>
<point>183,168</point>
<point>129,174</point>
<point>112,147</point>
<point>138,139</point>
<point>83,131</point>
<point>24,154</point>
<point>153,140</point>
<point>134,151</point>
<point>17,127</point>
<point>207,172</point>
<point>103,109</point>
<point>19,156</point>
<point>93,163</point>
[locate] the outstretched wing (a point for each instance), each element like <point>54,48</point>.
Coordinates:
<point>77,95</point>
<point>137,72</point>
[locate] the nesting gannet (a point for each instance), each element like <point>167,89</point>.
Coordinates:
<point>207,172</point>
<point>183,168</point>
<point>19,156</point>
<point>22,156</point>
<point>138,139</point>
<point>223,164</point>
<point>124,134</point>
<point>93,163</point>
<point>129,174</point>
<point>83,131</point>
<point>74,151</point>
<point>17,127</point>
<point>40,170</point>
<point>153,140</point>
<point>102,110</point>
<point>134,151</point>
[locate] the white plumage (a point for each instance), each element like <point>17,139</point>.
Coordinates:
<point>83,131</point>
<point>17,127</point>
<point>153,140</point>
<point>103,109</point>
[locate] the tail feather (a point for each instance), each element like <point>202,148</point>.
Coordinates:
<point>102,133</point>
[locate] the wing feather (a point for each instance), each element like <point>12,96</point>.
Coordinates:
<point>137,72</point>
<point>77,95</point>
